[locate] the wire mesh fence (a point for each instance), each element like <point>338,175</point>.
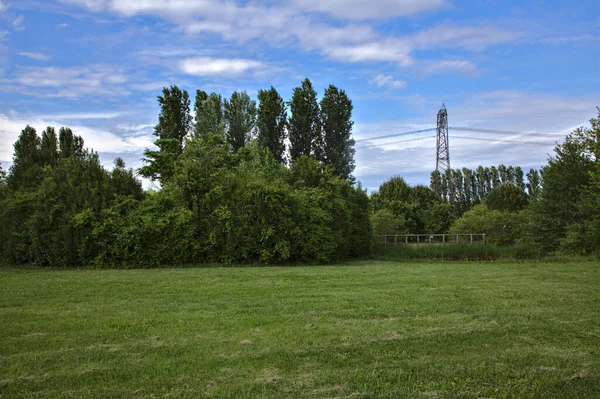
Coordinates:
<point>427,239</point>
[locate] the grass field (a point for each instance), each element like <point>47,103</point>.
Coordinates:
<point>365,329</point>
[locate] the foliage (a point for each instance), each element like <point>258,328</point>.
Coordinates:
<point>384,222</point>
<point>500,227</point>
<point>561,219</point>
<point>208,111</point>
<point>336,121</point>
<point>304,123</point>
<point>506,197</point>
<point>272,122</point>
<point>240,118</point>
<point>174,124</point>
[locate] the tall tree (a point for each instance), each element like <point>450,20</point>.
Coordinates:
<point>304,125</point>
<point>487,173</point>
<point>435,183</point>
<point>208,111</point>
<point>69,144</point>
<point>519,179</point>
<point>271,122</point>
<point>534,182</point>
<point>495,177</point>
<point>336,121</point>
<point>503,172</point>
<point>26,167</point>
<point>510,175</point>
<point>240,119</point>
<point>49,147</point>
<point>481,183</point>
<point>467,188</point>
<point>174,124</point>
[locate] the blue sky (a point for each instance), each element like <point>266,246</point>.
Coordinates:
<point>98,65</point>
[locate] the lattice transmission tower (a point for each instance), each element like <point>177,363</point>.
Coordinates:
<point>442,163</point>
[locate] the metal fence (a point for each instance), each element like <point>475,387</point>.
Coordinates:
<point>417,239</point>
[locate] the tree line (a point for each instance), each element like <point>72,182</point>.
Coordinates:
<point>228,192</point>
<point>321,130</point>
<point>232,192</point>
<point>555,209</point>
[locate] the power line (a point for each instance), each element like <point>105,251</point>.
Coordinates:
<point>501,140</point>
<point>396,135</point>
<point>511,132</point>
<point>394,142</point>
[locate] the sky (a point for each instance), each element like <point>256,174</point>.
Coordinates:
<point>520,66</point>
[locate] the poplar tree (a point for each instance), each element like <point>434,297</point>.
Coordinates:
<point>208,110</point>
<point>174,124</point>
<point>240,119</point>
<point>271,123</point>
<point>49,147</point>
<point>26,168</point>
<point>304,126</point>
<point>336,121</point>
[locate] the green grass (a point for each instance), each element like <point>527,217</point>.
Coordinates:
<point>365,329</point>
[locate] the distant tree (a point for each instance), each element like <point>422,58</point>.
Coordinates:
<point>49,147</point>
<point>304,124</point>
<point>395,189</point>
<point>123,181</point>
<point>474,191</point>
<point>503,172</point>
<point>506,197</point>
<point>174,124</point>
<point>435,183</point>
<point>495,178</point>
<point>70,145</point>
<point>384,222</point>
<point>240,119</point>
<point>336,121</point>
<point>534,182</point>
<point>467,188</point>
<point>208,110</point>
<point>481,182</point>
<point>510,175</point>
<point>500,227</point>
<point>271,123</point>
<point>26,168</point>
<point>444,187</point>
<point>565,178</point>
<point>519,179</point>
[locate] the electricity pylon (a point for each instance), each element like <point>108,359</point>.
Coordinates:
<point>442,163</point>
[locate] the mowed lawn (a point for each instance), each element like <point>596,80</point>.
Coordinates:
<point>360,330</point>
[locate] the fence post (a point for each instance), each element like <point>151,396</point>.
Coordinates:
<point>471,238</point>
<point>430,238</point>
<point>483,238</point>
<point>395,241</point>
<point>385,241</point>
<point>406,240</point>
<point>457,238</point>
<point>417,239</point>
<point>444,238</point>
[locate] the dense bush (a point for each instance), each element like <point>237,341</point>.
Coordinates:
<point>218,206</point>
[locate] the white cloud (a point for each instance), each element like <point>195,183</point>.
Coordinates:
<point>98,139</point>
<point>467,37</point>
<point>74,82</point>
<point>289,23</point>
<point>462,66</point>
<point>35,56</point>
<point>82,116</point>
<point>62,25</point>
<point>360,9</point>
<point>206,66</point>
<point>388,81</point>
<point>3,7</point>
<point>18,23</point>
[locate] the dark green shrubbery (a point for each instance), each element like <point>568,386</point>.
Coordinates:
<point>217,207</point>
